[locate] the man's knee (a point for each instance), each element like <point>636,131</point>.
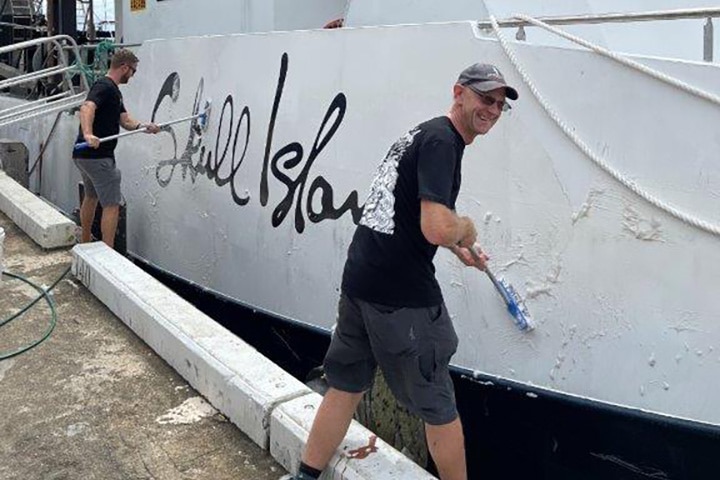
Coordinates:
<point>454,423</point>
<point>111,209</point>
<point>343,395</point>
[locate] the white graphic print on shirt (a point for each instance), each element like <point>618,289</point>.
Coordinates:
<point>379,211</point>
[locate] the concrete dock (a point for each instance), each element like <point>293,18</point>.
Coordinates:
<point>94,401</point>
<point>135,382</point>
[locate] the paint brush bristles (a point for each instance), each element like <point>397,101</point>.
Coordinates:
<point>515,304</point>
<point>202,120</point>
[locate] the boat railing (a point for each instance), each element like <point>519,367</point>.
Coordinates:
<point>708,14</point>
<point>70,84</point>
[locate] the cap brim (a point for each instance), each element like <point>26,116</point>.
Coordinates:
<point>510,92</point>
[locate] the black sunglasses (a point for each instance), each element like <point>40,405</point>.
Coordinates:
<point>489,101</point>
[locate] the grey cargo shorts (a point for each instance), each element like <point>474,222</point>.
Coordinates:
<point>412,346</point>
<point>101,179</point>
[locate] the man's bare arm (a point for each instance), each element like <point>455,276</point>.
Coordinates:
<point>129,123</point>
<point>87,118</point>
<point>441,226</point>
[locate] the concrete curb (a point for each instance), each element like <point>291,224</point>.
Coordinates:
<point>41,222</point>
<point>290,427</point>
<point>273,408</point>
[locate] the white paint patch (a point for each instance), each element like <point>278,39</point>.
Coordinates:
<point>646,230</point>
<point>191,410</point>
<point>544,287</point>
<point>76,429</point>
<point>584,210</point>
<point>478,374</point>
<point>5,367</point>
<point>688,323</point>
<point>520,259</point>
<point>534,290</point>
<point>593,336</point>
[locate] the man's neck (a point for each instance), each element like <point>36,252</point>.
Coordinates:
<point>115,77</point>
<point>467,136</point>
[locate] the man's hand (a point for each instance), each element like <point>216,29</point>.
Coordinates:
<point>151,128</point>
<point>92,140</point>
<point>478,260</point>
<point>468,233</point>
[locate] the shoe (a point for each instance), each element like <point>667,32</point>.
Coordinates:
<point>299,476</point>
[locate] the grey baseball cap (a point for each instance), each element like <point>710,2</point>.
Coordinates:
<point>483,77</point>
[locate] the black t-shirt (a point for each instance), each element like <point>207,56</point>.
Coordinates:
<point>389,260</point>
<point>106,95</point>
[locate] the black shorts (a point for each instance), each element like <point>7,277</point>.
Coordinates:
<point>413,347</point>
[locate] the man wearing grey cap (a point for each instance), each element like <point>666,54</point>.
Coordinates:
<point>391,311</point>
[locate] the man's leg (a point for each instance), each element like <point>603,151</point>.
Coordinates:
<point>87,215</point>
<point>109,223</point>
<point>102,182</point>
<point>349,370</point>
<point>413,347</point>
<point>330,426</point>
<point>447,447</point>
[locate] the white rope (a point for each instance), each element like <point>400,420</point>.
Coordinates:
<point>624,60</point>
<point>622,179</point>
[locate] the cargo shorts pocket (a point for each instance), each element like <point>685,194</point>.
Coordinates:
<point>391,330</point>
<point>439,344</point>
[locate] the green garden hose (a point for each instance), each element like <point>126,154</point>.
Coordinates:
<point>44,293</point>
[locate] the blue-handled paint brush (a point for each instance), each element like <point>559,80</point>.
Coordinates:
<point>515,304</point>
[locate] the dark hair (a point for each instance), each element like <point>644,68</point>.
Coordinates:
<point>123,56</point>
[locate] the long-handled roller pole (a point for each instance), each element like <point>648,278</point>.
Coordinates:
<point>203,124</point>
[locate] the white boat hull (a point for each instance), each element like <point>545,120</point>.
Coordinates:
<point>622,291</point>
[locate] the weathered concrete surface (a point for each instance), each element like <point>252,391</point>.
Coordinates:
<point>41,222</point>
<point>234,377</point>
<point>94,402</point>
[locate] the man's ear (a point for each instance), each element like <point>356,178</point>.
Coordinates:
<point>457,91</point>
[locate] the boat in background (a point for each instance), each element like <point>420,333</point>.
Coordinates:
<point>595,196</point>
